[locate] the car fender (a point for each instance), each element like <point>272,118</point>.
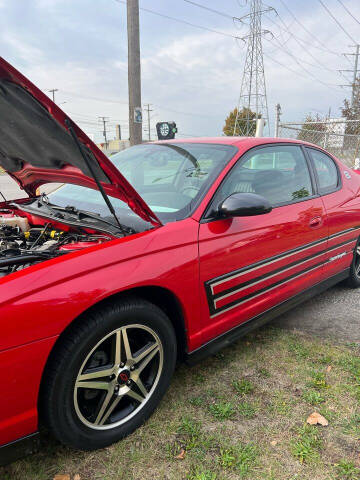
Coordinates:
<point>44,299</point>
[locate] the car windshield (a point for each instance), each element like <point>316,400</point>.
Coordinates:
<point>172,179</point>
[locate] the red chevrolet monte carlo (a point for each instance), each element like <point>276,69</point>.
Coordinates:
<point>169,251</point>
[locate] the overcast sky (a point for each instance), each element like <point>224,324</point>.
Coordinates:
<point>189,75</point>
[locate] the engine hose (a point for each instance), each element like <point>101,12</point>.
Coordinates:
<point>21,260</point>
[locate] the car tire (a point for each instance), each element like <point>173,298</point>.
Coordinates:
<point>354,277</point>
<point>108,350</point>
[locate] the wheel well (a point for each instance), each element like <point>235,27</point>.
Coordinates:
<point>161,297</point>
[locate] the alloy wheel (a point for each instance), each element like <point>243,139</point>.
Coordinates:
<point>118,377</point>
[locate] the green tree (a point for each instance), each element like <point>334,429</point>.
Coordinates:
<point>351,111</point>
<point>245,125</point>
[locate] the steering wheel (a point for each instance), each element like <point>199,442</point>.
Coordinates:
<point>190,187</point>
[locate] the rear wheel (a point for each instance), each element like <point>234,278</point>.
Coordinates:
<point>109,374</point>
<point>354,277</point>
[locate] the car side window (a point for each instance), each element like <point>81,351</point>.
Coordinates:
<point>326,171</point>
<point>279,173</point>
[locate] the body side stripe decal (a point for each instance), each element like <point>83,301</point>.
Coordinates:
<point>273,273</point>
<point>231,275</point>
<point>236,303</point>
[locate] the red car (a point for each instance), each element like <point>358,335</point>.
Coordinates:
<point>168,252</point>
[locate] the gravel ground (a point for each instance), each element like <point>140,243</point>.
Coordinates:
<point>335,313</point>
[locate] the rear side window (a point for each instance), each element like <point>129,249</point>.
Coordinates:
<point>326,171</point>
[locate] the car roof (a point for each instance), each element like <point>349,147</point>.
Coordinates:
<point>243,142</point>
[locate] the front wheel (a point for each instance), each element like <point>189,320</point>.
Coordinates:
<point>109,374</point>
<point>354,278</point>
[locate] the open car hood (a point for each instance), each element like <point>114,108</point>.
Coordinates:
<point>36,147</point>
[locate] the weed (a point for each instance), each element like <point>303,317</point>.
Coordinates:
<point>346,470</point>
<point>263,372</point>
<point>313,397</point>
<point>352,426</point>
<point>298,349</point>
<point>306,447</point>
<point>198,474</point>
<point>240,458</point>
<point>222,410</point>
<point>243,386</point>
<point>197,401</point>
<point>318,381</point>
<point>247,410</point>
<point>280,405</point>
<point>188,426</point>
<point>227,457</point>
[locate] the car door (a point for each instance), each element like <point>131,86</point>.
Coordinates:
<point>250,264</point>
<point>342,219</point>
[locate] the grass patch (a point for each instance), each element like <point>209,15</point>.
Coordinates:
<point>308,444</point>
<point>346,470</point>
<point>318,381</point>
<point>313,397</point>
<point>269,384</point>
<point>198,474</point>
<point>247,410</point>
<point>222,410</point>
<point>243,386</point>
<point>240,458</point>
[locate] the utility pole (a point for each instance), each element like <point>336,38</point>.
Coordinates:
<point>354,71</point>
<point>148,105</point>
<point>277,119</point>
<point>134,72</point>
<point>53,90</point>
<point>104,121</point>
<point>253,88</point>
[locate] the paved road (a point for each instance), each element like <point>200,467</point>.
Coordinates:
<point>334,313</point>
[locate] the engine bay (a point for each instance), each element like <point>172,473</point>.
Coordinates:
<point>26,240</point>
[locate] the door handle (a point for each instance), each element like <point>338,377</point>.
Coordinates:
<point>315,222</point>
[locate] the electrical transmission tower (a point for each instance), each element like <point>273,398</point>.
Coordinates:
<point>253,88</point>
<point>354,72</point>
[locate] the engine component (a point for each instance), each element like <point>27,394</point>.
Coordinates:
<point>19,249</point>
<point>7,217</point>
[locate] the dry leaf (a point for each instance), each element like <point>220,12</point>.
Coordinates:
<point>315,418</point>
<point>329,368</point>
<point>77,477</point>
<point>273,443</point>
<point>181,455</point>
<point>62,477</point>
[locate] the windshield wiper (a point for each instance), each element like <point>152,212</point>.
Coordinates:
<point>82,214</point>
<point>92,171</point>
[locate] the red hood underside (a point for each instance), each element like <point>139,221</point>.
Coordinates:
<point>37,148</point>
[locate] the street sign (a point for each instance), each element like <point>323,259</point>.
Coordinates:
<point>137,115</point>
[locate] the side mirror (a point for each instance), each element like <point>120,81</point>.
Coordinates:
<point>244,205</point>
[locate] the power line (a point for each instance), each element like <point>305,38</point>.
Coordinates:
<point>287,51</point>
<point>337,22</point>
<point>308,31</point>
<point>226,15</point>
<point>299,42</point>
<point>348,11</point>
<point>153,12</point>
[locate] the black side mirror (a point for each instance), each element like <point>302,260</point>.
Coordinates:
<point>244,205</point>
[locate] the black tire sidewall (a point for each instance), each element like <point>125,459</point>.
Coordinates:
<point>354,280</point>
<point>65,423</point>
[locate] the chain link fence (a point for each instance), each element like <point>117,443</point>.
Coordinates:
<point>340,137</point>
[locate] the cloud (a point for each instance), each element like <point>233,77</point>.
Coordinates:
<point>190,76</point>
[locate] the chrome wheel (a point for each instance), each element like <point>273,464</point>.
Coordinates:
<point>118,377</point>
<point>357,261</point>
